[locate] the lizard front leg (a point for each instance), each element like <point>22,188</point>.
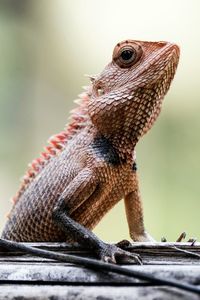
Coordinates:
<point>83,187</point>
<point>134,214</point>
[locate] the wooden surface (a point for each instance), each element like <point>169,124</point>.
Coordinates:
<point>24,276</point>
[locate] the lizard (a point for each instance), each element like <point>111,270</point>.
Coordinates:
<point>91,165</point>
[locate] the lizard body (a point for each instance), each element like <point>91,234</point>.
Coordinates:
<point>95,167</point>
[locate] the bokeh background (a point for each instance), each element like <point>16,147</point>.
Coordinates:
<point>46,46</point>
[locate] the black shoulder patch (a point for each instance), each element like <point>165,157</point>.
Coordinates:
<point>134,167</point>
<point>104,148</point>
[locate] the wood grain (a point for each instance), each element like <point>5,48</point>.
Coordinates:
<point>27,277</point>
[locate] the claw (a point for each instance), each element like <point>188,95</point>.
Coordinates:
<point>192,241</point>
<point>163,239</point>
<point>181,237</point>
<point>137,259</point>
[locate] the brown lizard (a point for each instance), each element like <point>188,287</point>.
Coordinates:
<point>91,165</point>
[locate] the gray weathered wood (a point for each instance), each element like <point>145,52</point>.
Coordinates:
<point>52,273</point>
<point>92,292</point>
<point>30,277</point>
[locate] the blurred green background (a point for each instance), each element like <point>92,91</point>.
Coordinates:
<point>46,46</point>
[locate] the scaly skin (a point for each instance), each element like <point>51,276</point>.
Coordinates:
<point>96,167</point>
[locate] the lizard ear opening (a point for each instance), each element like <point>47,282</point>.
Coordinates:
<point>126,54</point>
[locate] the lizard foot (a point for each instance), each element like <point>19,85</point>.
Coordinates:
<point>123,244</point>
<point>113,254</point>
<point>144,237</point>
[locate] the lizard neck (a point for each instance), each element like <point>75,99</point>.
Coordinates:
<point>122,147</point>
<point>125,146</point>
<point>117,145</point>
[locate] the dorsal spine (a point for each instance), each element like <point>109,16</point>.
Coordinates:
<point>56,143</point>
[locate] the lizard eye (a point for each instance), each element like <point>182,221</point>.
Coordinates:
<point>127,54</point>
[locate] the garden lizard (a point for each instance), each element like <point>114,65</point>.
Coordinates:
<point>91,165</point>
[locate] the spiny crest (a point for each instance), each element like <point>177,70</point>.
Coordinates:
<point>56,143</point>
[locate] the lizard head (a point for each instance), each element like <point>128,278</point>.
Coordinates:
<point>126,97</point>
